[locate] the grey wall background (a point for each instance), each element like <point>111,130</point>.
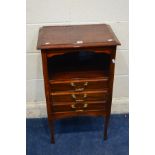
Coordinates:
<point>68,12</point>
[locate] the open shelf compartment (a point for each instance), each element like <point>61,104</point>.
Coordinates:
<point>78,65</point>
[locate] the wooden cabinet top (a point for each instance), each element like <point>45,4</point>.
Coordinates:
<point>76,36</point>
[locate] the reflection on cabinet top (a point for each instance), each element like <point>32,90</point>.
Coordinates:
<point>76,36</point>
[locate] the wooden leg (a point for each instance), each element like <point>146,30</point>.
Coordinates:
<point>51,125</point>
<point>106,122</point>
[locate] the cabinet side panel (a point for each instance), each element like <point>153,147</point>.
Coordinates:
<point>111,77</point>
<point>46,83</point>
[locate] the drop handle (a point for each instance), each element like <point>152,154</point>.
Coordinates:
<point>86,84</point>
<point>74,97</point>
<point>73,106</point>
<point>79,89</point>
<point>74,85</point>
<point>85,96</point>
<point>84,106</point>
<point>81,110</point>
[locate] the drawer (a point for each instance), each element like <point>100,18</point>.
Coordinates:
<point>79,85</point>
<point>79,107</point>
<point>79,97</point>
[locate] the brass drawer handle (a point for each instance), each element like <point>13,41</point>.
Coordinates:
<point>74,85</point>
<point>74,96</point>
<point>84,106</point>
<point>86,84</point>
<point>73,106</point>
<point>79,110</point>
<point>79,89</point>
<point>79,100</point>
<point>85,96</point>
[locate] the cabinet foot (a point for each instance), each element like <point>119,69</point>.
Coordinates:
<point>52,139</point>
<point>51,125</point>
<point>106,122</point>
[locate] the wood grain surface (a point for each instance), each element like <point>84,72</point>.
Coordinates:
<point>51,37</point>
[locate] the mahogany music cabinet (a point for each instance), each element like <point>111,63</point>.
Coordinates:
<point>78,67</point>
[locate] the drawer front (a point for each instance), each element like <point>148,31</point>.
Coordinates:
<point>79,86</point>
<point>80,97</point>
<point>79,107</point>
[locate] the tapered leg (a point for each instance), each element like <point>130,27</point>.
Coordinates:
<point>51,125</point>
<point>106,122</point>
